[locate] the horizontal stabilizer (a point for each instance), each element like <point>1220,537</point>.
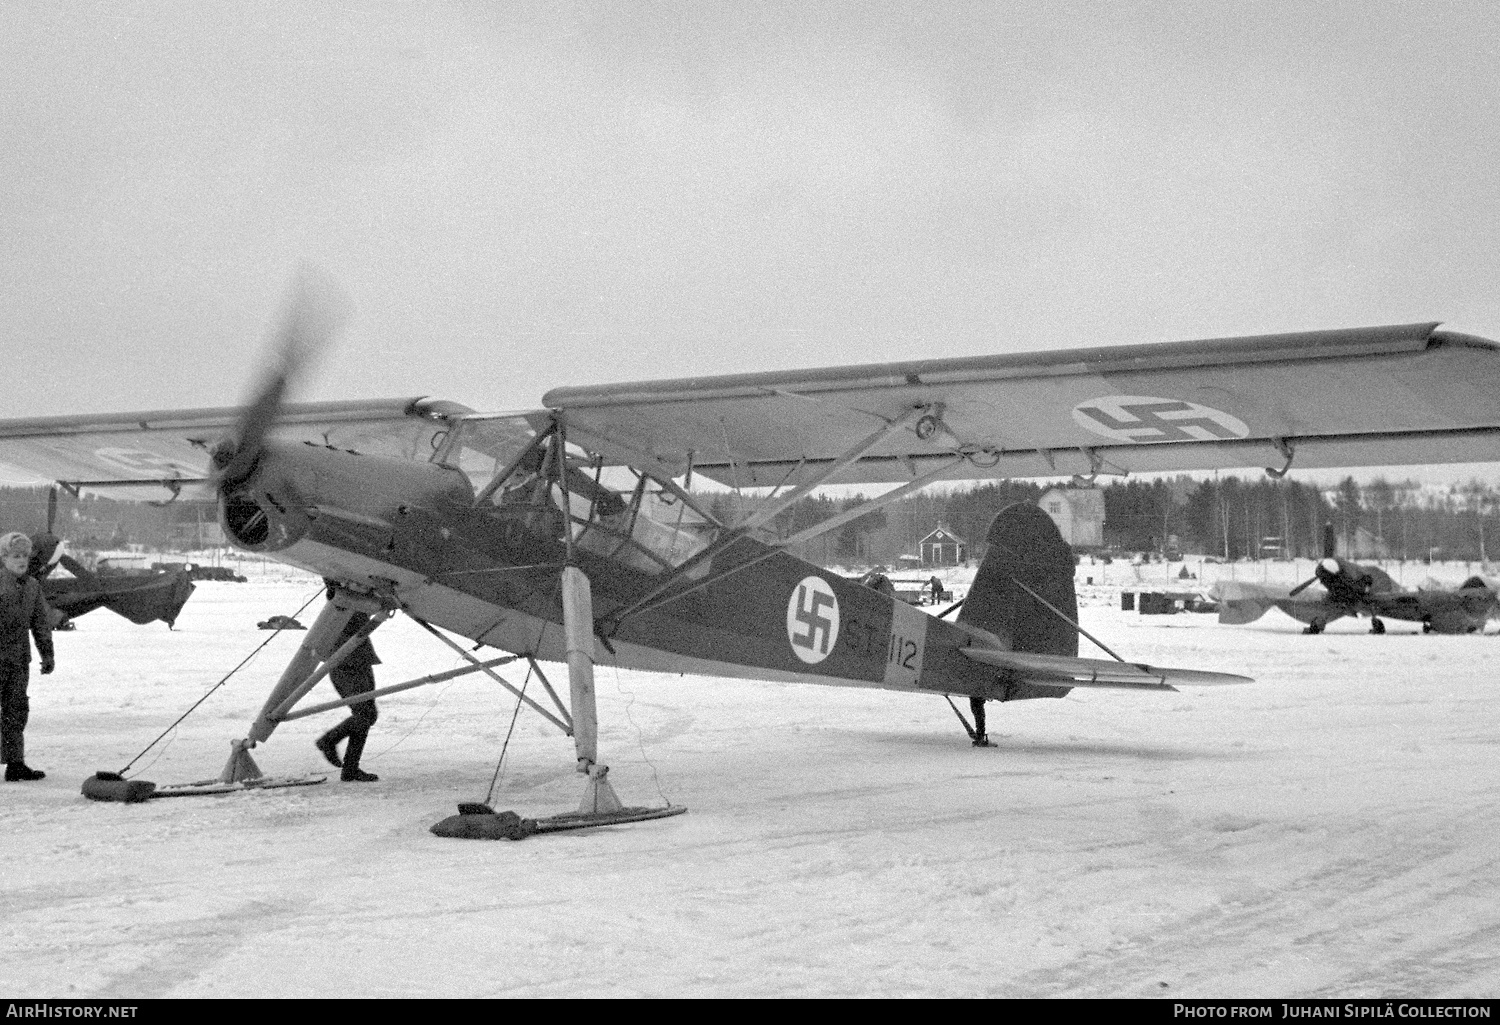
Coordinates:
<point>1063,671</point>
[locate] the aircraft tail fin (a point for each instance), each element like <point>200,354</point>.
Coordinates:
<point>1027,567</point>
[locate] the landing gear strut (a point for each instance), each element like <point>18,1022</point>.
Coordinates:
<point>318,654</point>
<point>600,806</point>
<point>578,633</point>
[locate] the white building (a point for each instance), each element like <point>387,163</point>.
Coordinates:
<point>1078,513</point>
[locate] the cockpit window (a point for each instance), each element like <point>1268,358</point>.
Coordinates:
<point>653,529</point>
<point>483,447</point>
<point>614,511</point>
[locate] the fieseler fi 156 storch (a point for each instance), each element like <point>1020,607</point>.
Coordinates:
<point>571,533</point>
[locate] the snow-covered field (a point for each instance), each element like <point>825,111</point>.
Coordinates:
<point>1327,831</point>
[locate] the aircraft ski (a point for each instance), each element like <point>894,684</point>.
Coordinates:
<point>480,822</point>
<point>110,786</point>
<point>571,534</point>
<point>215,787</point>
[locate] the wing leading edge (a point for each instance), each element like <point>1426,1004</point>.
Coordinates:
<point>1357,397</point>
<point>171,448</point>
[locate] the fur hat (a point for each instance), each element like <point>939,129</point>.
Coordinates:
<point>15,543</point>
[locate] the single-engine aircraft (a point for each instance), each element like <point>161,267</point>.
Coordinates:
<point>72,589</point>
<point>570,533</point>
<point>1352,589</point>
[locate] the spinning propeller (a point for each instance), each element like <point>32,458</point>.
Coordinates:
<point>315,310</point>
<point>1326,569</point>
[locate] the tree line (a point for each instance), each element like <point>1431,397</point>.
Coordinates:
<point>1228,517</point>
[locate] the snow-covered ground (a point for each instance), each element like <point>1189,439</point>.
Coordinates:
<point>1327,831</point>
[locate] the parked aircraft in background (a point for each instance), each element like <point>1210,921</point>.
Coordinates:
<point>72,589</point>
<point>1351,589</point>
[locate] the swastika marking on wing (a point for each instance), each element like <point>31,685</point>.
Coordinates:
<point>1141,418</point>
<point>148,463</point>
<point>812,619</point>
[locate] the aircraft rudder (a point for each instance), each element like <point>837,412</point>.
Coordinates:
<point>1027,567</point>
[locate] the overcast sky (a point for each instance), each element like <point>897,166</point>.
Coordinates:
<point>523,196</point>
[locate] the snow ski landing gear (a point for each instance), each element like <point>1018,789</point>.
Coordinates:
<point>212,787</point>
<point>480,822</point>
<point>111,786</point>
<point>600,805</point>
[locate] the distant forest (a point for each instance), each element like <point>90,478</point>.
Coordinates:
<point>1229,517</point>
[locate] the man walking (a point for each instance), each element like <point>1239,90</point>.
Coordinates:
<point>23,615</point>
<point>354,675</point>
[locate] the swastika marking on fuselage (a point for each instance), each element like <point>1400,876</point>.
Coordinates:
<point>1140,418</point>
<point>812,619</point>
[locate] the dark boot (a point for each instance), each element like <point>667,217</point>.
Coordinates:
<point>352,772</point>
<point>325,744</point>
<point>20,772</point>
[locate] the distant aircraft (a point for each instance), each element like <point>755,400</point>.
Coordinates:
<point>571,534</point>
<point>141,598</point>
<point>1350,589</point>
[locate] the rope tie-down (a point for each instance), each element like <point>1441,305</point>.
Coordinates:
<point>115,786</point>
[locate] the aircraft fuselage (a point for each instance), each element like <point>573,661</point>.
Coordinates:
<point>413,534</point>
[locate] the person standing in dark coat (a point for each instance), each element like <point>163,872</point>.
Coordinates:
<point>23,615</point>
<point>354,675</point>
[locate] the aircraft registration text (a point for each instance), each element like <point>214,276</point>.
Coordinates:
<point>904,647</point>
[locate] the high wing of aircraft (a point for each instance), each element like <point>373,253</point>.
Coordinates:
<point>1351,589</point>
<point>571,533</point>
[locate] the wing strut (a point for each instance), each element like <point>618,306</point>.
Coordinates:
<point>659,596</point>
<point>834,522</point>
<point>769,511</point>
